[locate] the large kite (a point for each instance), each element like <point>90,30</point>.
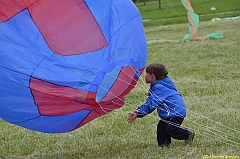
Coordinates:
<point>64,63</point>
<point>193,20</point>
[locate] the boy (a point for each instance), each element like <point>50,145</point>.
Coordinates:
<point>170,106</point>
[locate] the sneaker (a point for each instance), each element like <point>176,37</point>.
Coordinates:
<point>164,145</point>
<point>190,137</point>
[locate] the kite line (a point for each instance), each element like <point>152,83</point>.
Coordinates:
<point>216,134</point>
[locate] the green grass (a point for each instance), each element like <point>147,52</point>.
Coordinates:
<point>206,74</point>
<point>173,12</point>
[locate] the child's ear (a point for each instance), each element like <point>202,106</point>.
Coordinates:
<point>153,76</point>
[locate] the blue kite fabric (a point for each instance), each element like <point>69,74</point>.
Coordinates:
<point>64,63</point>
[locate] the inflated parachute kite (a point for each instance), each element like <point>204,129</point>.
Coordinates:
<point>64,63</point>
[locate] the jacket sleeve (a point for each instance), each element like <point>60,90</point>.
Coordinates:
<point>152,102</point>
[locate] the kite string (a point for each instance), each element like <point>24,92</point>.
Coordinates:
<point>145,87</point>
<point>174,124</point>
<point>121,99</point>
<point>200,132</point>
<point>189,120</point>
<point>174,110</point>
<point>218,123</point>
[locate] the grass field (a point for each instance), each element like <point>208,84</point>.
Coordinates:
<point>206,74</point>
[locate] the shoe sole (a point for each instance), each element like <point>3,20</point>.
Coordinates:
<point>189,142</point>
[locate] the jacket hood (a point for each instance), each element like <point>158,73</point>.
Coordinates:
<point>167,82</point>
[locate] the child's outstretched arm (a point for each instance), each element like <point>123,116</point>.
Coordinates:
<point>132,116</point>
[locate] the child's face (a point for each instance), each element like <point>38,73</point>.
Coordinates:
<point>150,77</point>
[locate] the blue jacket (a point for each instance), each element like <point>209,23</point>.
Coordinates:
<point>164,97</point>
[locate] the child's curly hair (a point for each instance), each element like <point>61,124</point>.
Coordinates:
<point>158,69</point>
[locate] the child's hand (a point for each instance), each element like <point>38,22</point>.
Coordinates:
<point>132,116</point>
